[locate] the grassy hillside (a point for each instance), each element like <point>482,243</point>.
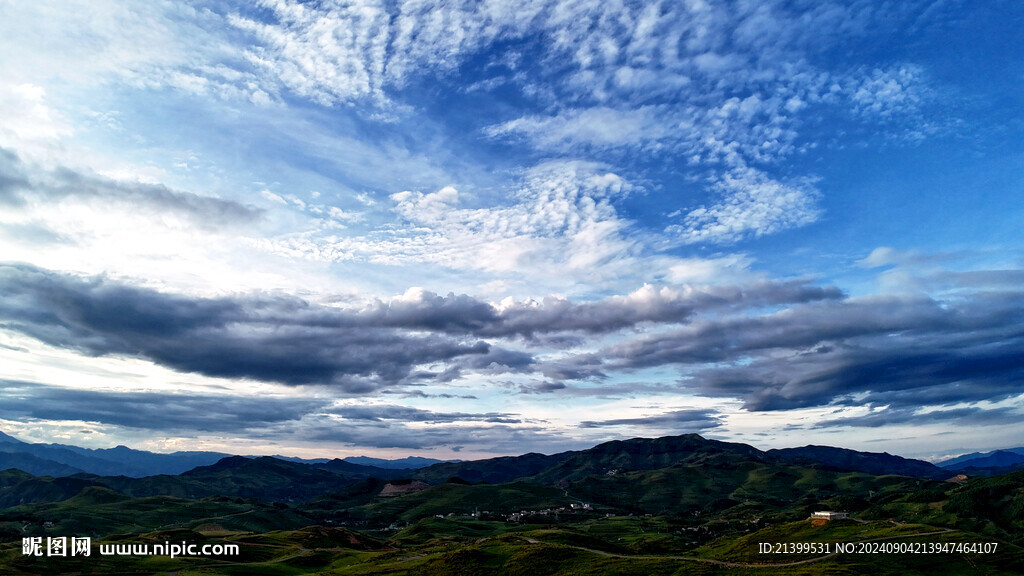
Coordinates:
<point>569,551</point>
<point>491,470</point>
<point>852,460</point>
<point>265,478</point>
<point>988,506</point>
<point>98,511</point>
<point>22,489</point>
<point>644,454</point>
<point>720,485</point>
<point>460,499</point>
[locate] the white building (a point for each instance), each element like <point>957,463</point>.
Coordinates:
<point>829,515</point>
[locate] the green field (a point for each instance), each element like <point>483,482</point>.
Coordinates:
<point>619,545</point>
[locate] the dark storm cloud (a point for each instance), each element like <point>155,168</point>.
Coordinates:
<point>776,346</point>
<point>796,328</point>
<point>409,414</point>
<point>21,184</point>
<point>897,375</point>
<point>647,305</point>
<point>288,340</point>
<point>496,438</point>
<point>690,420</point>
<point>494,362</point>
<point>973,416</point>
<point>269,339</point>
<point>163,412</point>
<point>891,376</point>
<point>541,387</point>
<point>603,389</point>
<point>271,417</point>
<point>422,394</point>
<point>899,351</point>
<point>463,314</point>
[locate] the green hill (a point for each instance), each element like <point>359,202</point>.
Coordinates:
<point>491,470</point>
<point>41,489</point>
<point>842,459</point>
<point>992,506</point>
<point>444,499</point>
<point>265,478</point>
<point>643,454</point>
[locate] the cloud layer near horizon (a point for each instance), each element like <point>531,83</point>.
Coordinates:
<point>773,346</point>
<point>359,349</point>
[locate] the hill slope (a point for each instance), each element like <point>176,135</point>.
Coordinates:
<point>265,478</point>
<point>877,463</point>
<point>35,465</point>
<point>642,454</point>
<point>491,470</point>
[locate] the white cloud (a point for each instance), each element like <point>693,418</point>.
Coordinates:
<point>600,127</point>
<point>723,269</point>
<point>347,51</point>
<point>27,115</point>
<point>659,76</point>
<point>753,205</point>
<point>559,225</point>
<point>344,51</point>
<point>326,53</point>
<point>31,125</point>
<point>277,199</point>
<point>137,43</point>
<point>887,93</point>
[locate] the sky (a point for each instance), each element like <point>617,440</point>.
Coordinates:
<point>474,228</point>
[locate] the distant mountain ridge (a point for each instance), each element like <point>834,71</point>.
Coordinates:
<point>411,462</point>
<point>877,463</point>
<point>994,459</point>
<point>35,465</point>
<point>117,461</point>
<point>617,455</point>
<point>346,468</point>
<point>66,460</point>
<point>5,439</point>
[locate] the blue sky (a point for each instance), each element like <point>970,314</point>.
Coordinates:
<point>463,229</point>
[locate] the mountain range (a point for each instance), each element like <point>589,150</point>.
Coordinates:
<point>119,460</point>
<point>987,463</point>
<point>635,499</point>
<point>66,460</point>
<point>279,480</point>
<point>867,462</point>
